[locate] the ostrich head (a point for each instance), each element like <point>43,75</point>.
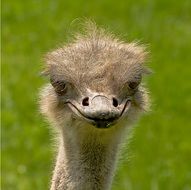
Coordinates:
<point>95,80</point>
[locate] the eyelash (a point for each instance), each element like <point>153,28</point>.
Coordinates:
<point>60,87</point>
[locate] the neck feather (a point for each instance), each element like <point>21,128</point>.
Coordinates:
<point>86,158</point>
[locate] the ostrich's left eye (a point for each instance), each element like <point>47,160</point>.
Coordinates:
<point>133,85</point>
<point>59,87</point>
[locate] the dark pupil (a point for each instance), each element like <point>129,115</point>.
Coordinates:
<point>133,85</point>
<point>60,87</point>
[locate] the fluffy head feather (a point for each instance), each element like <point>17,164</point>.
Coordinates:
<point>95,58</point>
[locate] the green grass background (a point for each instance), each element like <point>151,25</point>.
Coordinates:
<point>160,152</point>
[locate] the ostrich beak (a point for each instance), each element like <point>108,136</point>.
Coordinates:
<point>100,110</point>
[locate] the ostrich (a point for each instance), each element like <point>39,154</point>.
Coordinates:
<point>94,96</point>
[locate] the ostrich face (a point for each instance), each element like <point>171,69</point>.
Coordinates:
<point>101,101</point>
<point>95,79</point>
<point>101,109</point>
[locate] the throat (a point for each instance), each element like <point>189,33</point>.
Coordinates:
<point>86,160</point>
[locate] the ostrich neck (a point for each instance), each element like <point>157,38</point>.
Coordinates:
<point>86,159</point>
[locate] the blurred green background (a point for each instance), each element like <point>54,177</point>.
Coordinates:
<point>160,152</point>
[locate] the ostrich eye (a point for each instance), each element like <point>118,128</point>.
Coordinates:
<point>133,85</point>
<point>59,87</point>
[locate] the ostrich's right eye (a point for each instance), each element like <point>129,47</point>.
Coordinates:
<point>133,85</point>
<point>59,87</point>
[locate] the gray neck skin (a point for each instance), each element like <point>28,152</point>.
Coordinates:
<point>86,159</point>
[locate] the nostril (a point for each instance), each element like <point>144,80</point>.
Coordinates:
<point>115,102</point>
<point>85,101</point>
